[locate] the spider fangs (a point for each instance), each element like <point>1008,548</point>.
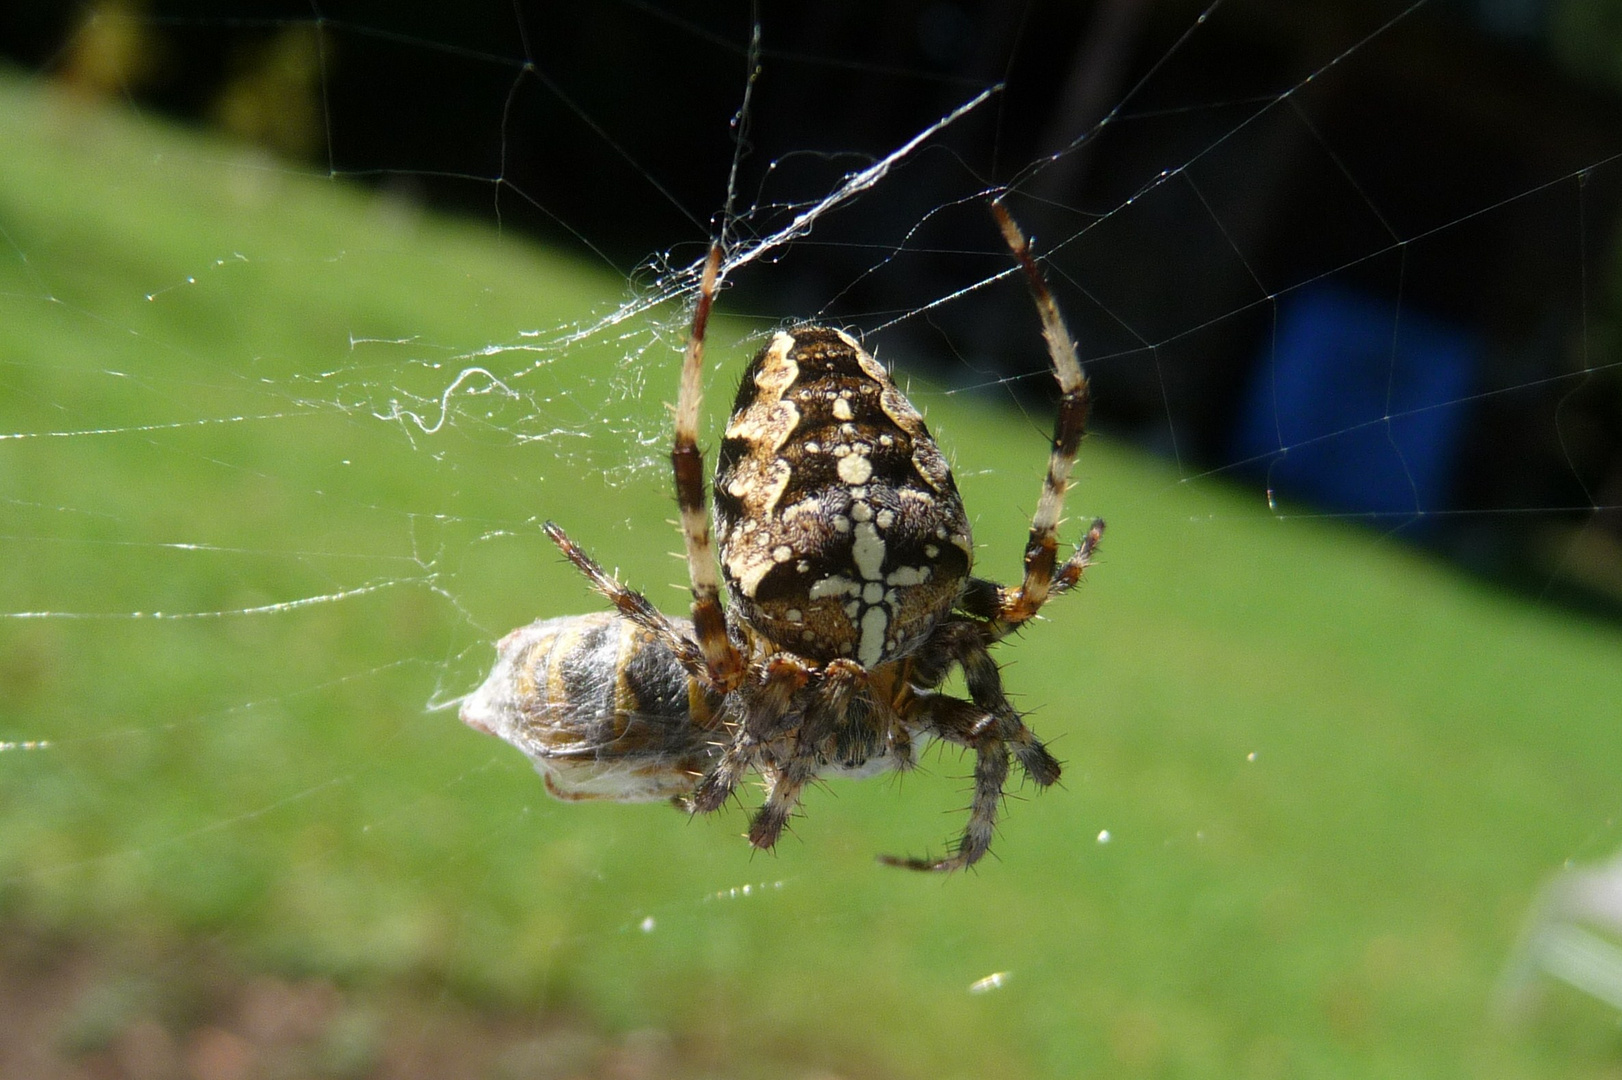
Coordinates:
<point>846,557</point>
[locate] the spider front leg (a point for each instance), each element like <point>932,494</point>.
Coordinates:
<point>1017,606</point>
<point>725,662</point>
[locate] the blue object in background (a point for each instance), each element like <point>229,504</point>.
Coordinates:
<point>1368,400</point>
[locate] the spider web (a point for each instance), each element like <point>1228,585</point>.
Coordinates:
<point>281,427</point>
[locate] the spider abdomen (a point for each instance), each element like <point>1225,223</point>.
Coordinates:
<point>840,528</point>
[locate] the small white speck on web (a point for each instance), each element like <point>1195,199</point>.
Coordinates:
<point>26,744</point>
<point>648,925</point>
<point>738,892</point>
<point>995,981</point>
<point>1251,756</point>
<point>1103,836</point>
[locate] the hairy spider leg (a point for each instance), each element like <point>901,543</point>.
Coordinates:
<point>726,664</point>
<point>984,681</point>
<point>1070,573</point>
<point>840,703</point>
<point>632,605</point>
<point>968,725</point>
<point>987,724</point>
<point>984,599</point>
<point>1017,606</point>
<point>770,693</point>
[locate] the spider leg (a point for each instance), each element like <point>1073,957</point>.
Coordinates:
<point>765,716</point>
<point>966,724</point>
<point>963,642</point>
<point>1019,605</point>
<point>788,779</point>
<point>988,725</point>
<point>992,603</point>
<point>1070,573</point>
<point>839,702</point>
<point>984,681</point>
<point>725,662</point>
<point>632,604</point>
<point>899,740</point>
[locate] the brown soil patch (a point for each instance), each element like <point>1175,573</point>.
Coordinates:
<point>71,1011</point>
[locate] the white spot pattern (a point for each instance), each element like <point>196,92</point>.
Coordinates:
<point>833,585</point>
<point>855,469</point>
<point>908,575</point>
<point>871,646</point>
<point>867,550</point>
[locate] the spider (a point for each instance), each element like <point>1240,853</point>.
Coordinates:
<point>845,553</point>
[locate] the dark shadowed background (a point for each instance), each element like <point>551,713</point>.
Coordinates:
<point>1481,385</point>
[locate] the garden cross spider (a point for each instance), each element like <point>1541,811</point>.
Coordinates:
<point>845,552</point>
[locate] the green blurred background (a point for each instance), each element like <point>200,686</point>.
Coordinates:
<point>273,454</point>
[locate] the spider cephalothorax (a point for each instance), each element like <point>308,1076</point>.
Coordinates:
<point>846,557</point>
